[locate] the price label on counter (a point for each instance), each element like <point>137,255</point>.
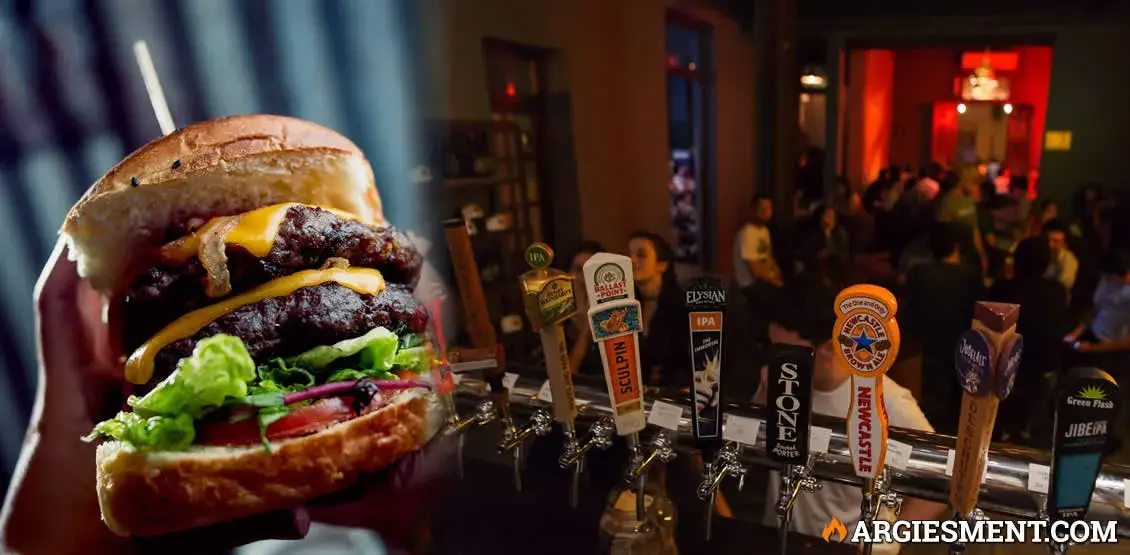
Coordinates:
<point>1038,477</point>
<point>545,393</point>
<point>898,454</point>
<point>509,379</point>
<point>819,439</point>
<point>665,415</point>
<point>950,456</point>
<point>740,429</point>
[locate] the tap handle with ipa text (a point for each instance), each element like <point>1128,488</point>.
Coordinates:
<point>1086,414</point>
<point>706,308</point>
<point>866,339</point>
<point>549,300</point>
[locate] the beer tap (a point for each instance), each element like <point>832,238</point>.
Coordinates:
<point>706,307</point>
<point>1085,416</point>
<point>484,340</point>
<point>987,356</point>
<point>615,320</point>
<point>540,424</point>
<point>725,463</point>
<point>549,300</point>
<point>867,344</point>
<point>789,399</point>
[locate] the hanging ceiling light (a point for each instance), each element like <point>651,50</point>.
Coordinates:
<point>813,78</point>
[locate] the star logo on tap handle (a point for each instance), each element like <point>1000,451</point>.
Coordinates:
<point>864,343</point>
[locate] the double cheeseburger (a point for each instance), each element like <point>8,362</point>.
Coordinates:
<point>266,317</point>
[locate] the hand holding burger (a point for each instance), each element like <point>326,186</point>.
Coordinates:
<point>274,347</point>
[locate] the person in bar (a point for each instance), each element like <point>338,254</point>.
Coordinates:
<point>663,343</point>
<point>804,315</point>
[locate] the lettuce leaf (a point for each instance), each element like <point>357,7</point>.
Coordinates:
<point>219,367</point>
<point>416,359</point>
<point>160,433</point>
<point>346,374</point>
<point>376,348</point>
<point>278,376</point>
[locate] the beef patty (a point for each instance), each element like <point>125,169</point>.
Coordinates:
<point>312,316</point>
<point>307,238</point>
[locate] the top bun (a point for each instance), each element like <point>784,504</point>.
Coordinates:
<point>219,167</point>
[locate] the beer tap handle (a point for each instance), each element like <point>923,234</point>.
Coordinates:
<point>615,320</point>
<point>867,344</point>
<point>986,358</point>
<point>549,301</point>
<point>1086,413</point>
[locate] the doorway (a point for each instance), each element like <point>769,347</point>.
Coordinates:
<point>516,83</point>
<point>690,121</point>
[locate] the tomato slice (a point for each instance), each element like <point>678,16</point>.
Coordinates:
<point>301,421</point>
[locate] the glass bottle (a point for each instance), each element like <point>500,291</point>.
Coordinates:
<point>655,534</point>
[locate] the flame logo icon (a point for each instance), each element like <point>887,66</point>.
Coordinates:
<point>834,527</point>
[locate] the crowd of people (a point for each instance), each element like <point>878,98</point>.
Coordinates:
<point>942,239</point>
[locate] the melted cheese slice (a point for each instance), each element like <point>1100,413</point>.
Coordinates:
<point>255,231</point>
<point>139,366</point>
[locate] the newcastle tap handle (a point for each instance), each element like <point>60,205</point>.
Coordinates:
<point>548,297</point>
<point>706,306</point>
<point>615,321</point>
<point>789,400</point>
<point>867,341</point>
<point>1085,418</point>
<point>986,358</point>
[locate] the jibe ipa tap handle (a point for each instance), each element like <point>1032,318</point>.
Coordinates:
<point>986,358</point>
<point>615,321</point>
<point>867,343</point>
<point>706,306</point>
<point>549,300</point>
<point>1085,419</point>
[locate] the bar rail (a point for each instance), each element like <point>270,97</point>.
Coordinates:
<point>1005,489</point>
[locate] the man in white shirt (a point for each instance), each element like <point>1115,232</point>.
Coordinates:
<point>757,245</point>
<point>804,315</point>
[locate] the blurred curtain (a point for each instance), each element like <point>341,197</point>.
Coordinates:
<point>72,104</point>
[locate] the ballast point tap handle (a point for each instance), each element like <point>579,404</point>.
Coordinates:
<point>867,344</point>
<point>548,297</point>
<point>615,321</point>
<point>706,307</point>
<point>986,358</point>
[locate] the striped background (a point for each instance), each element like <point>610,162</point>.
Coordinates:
<point>72,104</point>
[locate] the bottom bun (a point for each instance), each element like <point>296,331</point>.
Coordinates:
<point>150,493</point>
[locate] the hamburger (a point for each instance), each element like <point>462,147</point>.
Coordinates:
<point>264,310</point>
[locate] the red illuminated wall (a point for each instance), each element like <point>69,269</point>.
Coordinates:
<point>923,77</point>
<point>1030,86</point>
<point>869,114</point>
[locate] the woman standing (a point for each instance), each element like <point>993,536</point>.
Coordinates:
<point>665,337</point>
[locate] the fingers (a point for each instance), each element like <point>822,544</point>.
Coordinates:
<point>392,500</point>
<point>279,525</point>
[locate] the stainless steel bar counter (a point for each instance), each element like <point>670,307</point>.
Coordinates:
<point>1005,490</point>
